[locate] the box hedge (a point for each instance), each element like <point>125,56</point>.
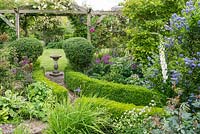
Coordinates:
<point>30,47</point>
<point>117,109</point>
<point>79,51</point>
<point>60,91</point>
<point>118,92</point>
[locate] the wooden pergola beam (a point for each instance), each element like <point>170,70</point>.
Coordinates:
<point>32,12</point>
<point>58,12</point>
<point>7,21</point>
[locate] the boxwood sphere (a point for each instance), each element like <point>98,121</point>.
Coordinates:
<point>30,47</point>
<point>79,51</point>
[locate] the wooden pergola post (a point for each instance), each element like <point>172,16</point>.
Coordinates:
<point>89,24</point>
<point>17,25</point>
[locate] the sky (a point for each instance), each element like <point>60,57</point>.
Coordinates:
<point>100,4</point>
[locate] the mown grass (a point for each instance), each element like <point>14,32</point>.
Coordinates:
<point>48,63</point>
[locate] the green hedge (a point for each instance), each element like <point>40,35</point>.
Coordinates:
<point>58,90</point>
<point>118,92</point>
<point>117,109</point>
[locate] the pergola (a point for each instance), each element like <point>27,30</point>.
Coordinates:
<point>33,12</point>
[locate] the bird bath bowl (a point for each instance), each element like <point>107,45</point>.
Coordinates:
<point>55,72</point>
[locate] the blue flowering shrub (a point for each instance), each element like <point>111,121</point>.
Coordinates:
<point>183,49</point>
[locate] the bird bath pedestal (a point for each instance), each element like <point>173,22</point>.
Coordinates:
<point>55,72</point>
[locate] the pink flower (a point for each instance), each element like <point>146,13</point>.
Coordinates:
<point>92,29</point>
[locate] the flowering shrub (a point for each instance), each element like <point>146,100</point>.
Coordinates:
<point>133,121</point>
<point>183,49</point>
<point>119,70</point>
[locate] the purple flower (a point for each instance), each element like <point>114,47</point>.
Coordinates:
<point>98,61</point>
<point>198,65</point>
<point>134,66</point>
<point>78,90</point>
<point>106,59</point>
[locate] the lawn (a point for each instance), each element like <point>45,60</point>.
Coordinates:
<point>47,62</point>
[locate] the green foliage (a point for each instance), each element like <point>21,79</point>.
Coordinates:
<point>145,19</point>
<point>40,97</point>
<point>38,92</point>
<point>11,105</point>
<point>133,122</point>
<point>180,120</point>
<point>122,93</point>
<point>79,51</point>
<point>30,47</point>
<point>5,75</point>
<point>58,90</point>
<point>109,32</point>
<point>78,118</point>
<point>55,45</point>
<point>117,109</point>
<point>15,107</point>
<point>21,129</point>
<point>79,25</point>
<point>50,29</point>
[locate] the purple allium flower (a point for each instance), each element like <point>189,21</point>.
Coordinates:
<point>92,29</point>
<point>106,59</point>
<point>24,62</point>
<point>78,90</point>
<point>134,66</point>
<point>97,60</point>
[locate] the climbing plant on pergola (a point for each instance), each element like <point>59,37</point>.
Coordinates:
<point>35,12</point>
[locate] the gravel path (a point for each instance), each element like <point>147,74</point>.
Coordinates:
<point>60,80</point>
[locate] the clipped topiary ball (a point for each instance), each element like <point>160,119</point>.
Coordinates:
<point>29,47</point>
<point>79,51</point>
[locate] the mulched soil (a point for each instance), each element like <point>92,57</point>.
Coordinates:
<point>35,126</point>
